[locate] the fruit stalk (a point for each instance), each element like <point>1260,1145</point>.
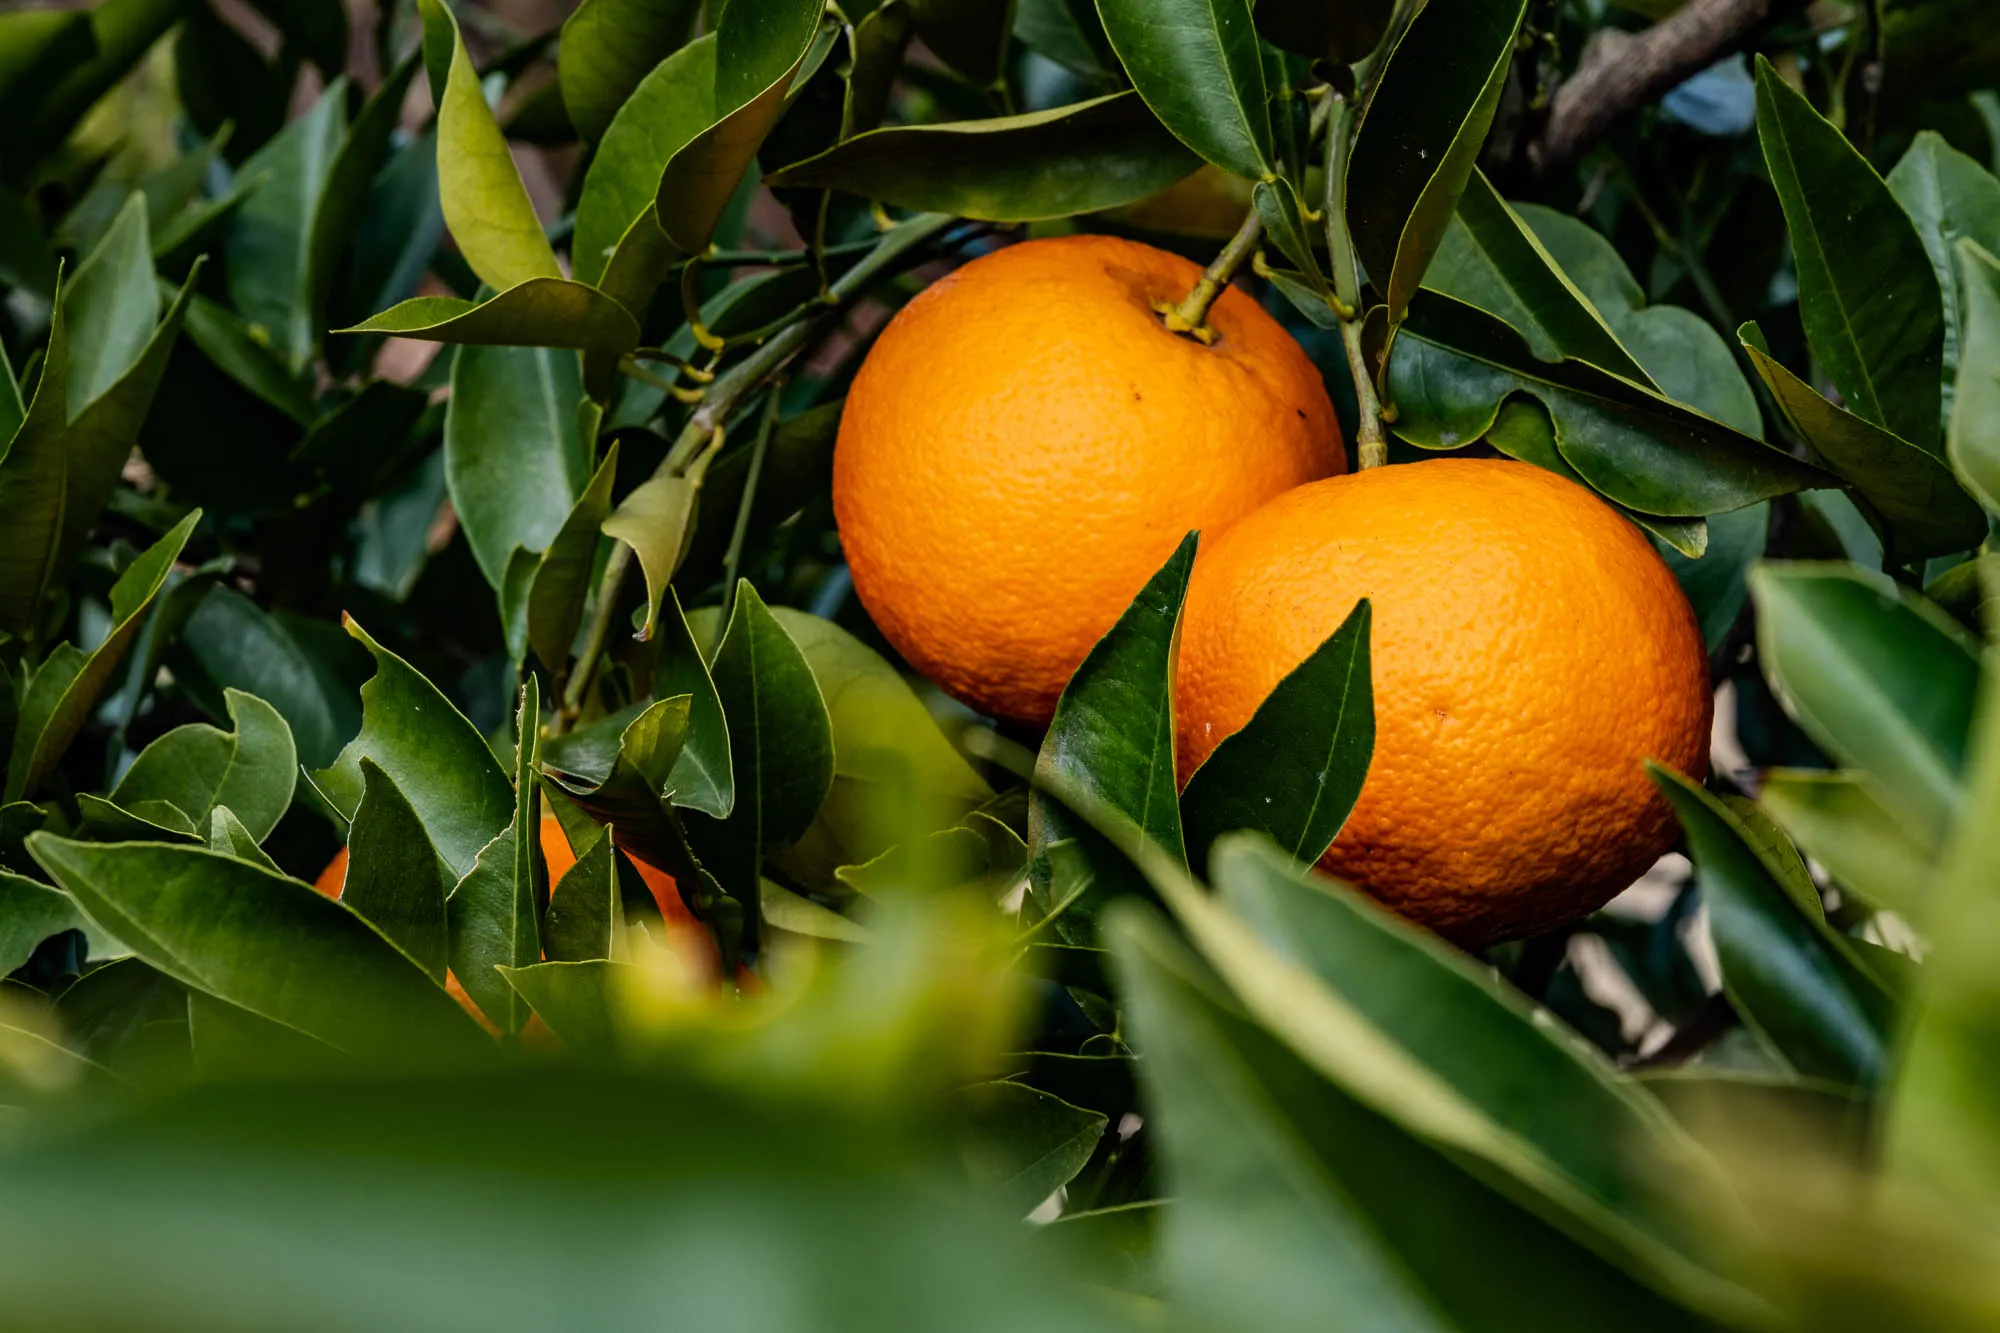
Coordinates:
<point>1191,315</point>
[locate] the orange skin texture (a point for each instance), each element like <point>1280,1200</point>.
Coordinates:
<point>1026,444</point>
<point>1530,651</point>
<point>688,936</point>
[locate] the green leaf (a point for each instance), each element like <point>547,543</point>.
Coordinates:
<point>1788,975</point>
<point>968,35</point>
<point>1489,257</point>
<point>759,51</point>
<point>562,576</point>
<point>1839,823</point>
<point>586,920</point>
<point>540,312</point>
<point>1196,64</point>
<point>1295,769</point>
<point>1569,1110</point>
<point>654,520</point>
<point>1111,742</point>
<point>781,909</point>
<point>1342,31</point>
<point>485,204</point>
<point>607,49</point>
<point>1881,679</point>
<point>344,200</point>
<point>60,471</point>
<point>1915,504</point>
<point>620,770</point>
<point>111,307</point>
<point>394,879</point>
<point>1297,1202</point>
<point>437,758</point>
<point>1867,295</point>
<point>59,697</point>
<point>780,747</point>
<point>702,778</point>
<point>1022,1145</point>
<point>227,835</point>
<point>495,912</point>
<point>262,942</point>
<point>1453,367</point>
<point>38,47</point>
<point>1948,197</point>
<point>895,775</point>
<point>1419,134</point>
<point>1071,159</point>
<point>250,768</point>
<point>30,911</point>
<point>270,252</point>
<point>513,456</point>
<point>667,108</point>
<point>122,31</point>
<point>143,821</point>
<point>1974,437</point>
<point>239,352</point>
<point>576,999</point>
<point>234,642</point>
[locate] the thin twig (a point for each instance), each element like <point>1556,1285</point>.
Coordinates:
<point>732,563</point>
<point>1191,314</point>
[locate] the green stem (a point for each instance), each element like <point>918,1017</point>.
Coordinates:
<point>1191,315</point>
<point>732,563</point>
<point>1371,446</point>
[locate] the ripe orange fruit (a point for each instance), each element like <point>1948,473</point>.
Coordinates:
<point>1529,649</point>
<point>1026,444</point>
<point>556,850</point>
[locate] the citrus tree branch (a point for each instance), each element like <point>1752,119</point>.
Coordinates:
<point>1191,315</point>
<point>1621,72</point>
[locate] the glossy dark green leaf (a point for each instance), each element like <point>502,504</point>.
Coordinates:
<point>586,920</point>
<point>1419,134</point>
<point>1297,1203</point>
<point>1488,256</point>
<point>621,771</point>
<point>1837,821</point>
<point>702,778</point>
<point>1948,196</point>
<point>668,107</point>
<point>111,307</point>
<point>30,911</point>
<point>1068,32</point>
<point>513,458</point>
<point>1867,294</point>
<point>234,642</point>
<point>1196,64</point>
<point>1295,769</point>
<point>1974,438</point>
<point>780,747</point>
<point>239,352</point>
<point>1917,505</point>
<point>344,200</point>
<point>495,912</point>
<point>60,470</point>
<point>1044,164</point>
<point>1022,1145</point>
<point>1570,1110</point>
<point>608,48</point>
<point>270,251</point>
<point>759,51</point>
<point>394,879</point>
<point>654,520</point>
<point>66,686</point>
<point>1878,677</point>
<point>1787,974</point>
<point>485,204</point>
<point>540,312</point>
<point>265,943</point>
<point>142,821</point>
<point>437,758</point>
<point>250,768</point>
<point>578,1000</point>
<point>1453,366</point>
<point>895,775</point>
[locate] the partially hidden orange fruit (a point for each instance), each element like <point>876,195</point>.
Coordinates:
<point>1026,444</point>
<point>1530,651</point>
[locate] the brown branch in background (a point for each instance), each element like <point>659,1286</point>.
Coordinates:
<point>1621,72</point>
